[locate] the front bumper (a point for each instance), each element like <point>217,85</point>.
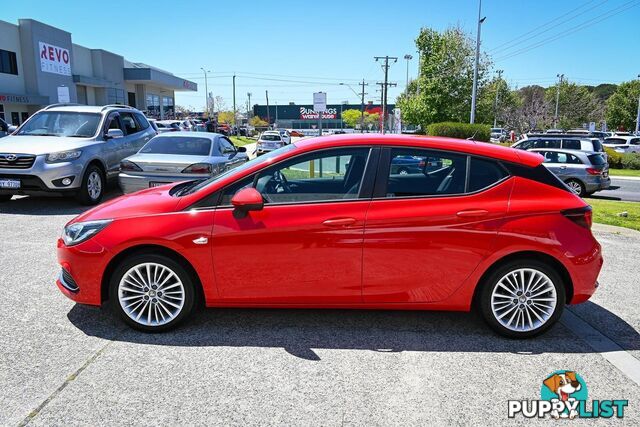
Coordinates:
<point>84,266</point>
<point>43,177</point>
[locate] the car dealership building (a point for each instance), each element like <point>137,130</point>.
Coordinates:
<point>39,65</point>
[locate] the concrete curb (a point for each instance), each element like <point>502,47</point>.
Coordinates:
<point>605,228</point>
<point>628,178</point>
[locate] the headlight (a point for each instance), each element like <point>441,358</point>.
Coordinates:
<point>63,156</point>
<point>81,231</point>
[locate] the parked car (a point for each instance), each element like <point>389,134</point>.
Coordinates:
<point>564,142</point>
<point>285,135</point>
<point>493,230</point>
<point>70,150</point>
<point>498,135</point>
<point>179,156</point>
<point>269,140</point>
<point>4,128</point>
<point>589,134</point>
<point>296,133</point>
<point>404,165</point>
<point>584,172</point>
<point>623,144</point>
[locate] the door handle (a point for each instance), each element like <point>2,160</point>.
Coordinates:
<point>339,222</point>
<point>473,213</point>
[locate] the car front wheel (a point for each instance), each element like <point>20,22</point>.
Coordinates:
<point>522,299</point>
<point>92,186</point>
<point>151,293</point>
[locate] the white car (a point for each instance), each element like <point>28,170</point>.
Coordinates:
<point>285,135</point>
<point>269,141</point>
<point>623,144</point>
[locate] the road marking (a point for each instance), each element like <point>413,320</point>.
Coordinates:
<point>609,349</point>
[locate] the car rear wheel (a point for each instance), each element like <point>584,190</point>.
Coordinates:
<point>403,171</point>
<point>522,299</point>
<point>151,293</point>
<point>92,187</point>
<point>577,187</point>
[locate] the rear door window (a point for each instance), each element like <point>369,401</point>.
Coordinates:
<point>129,123</point>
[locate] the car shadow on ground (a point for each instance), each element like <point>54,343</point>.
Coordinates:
<point>299,332</point>
<point>50,205</point>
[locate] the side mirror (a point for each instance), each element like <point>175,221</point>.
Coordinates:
<point>245,200</point>
<point>241,149</point>
<point>12,129</point>
<point>114,134</point>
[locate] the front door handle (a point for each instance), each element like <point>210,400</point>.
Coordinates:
<point>473,213</point>
<point>339,222</point>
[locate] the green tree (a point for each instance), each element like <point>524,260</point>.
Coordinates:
<point>622,106</point>
<point>257,122</point>
<point>504,111</point>
<point>351,117</point>
<point>226,117</point>
<point>577,105</point>
<point>442,90</point>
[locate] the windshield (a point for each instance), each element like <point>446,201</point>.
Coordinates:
<point>615,141</point>
<point>178,145</point>
<point>265,158</point>
<point>62,123</point>
<point>270,137</point>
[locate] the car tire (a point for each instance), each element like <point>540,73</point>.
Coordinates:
<point>577,187</point>
<point>403,171</point>
<point>139,292</point>
<point>92,186</point>
<point>5,198</point>
<point>510,307</point>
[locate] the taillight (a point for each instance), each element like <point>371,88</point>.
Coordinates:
<point>593,171</point>
<point>126,165</point>
<point>581,216</point>
<point>422,164</point>
<point>198,168</point>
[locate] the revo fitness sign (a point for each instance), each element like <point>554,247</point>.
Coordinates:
<point>54,59</point>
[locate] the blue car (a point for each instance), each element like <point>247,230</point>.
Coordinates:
<point>404,165</point>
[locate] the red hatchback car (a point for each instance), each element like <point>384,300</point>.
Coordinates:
<point>325,222</point>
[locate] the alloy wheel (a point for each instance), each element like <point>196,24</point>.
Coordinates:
<point>151,294</point>
<point>523,300</point>
<point>575,187</point>
<point>94,185</point>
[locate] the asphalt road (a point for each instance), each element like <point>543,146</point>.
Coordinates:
<point>627,189</point>
<point>64,364</point>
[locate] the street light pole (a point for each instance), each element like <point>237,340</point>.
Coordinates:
<point>495,108</point>
<point>474,91</point>
<point>206,90</point>
<point>408,58</point>
<point>555,117</point>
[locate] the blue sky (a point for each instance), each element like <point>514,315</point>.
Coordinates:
<point>294,48</point>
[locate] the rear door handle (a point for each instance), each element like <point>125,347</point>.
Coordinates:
<point>339,222</point>
<point>471,213</point>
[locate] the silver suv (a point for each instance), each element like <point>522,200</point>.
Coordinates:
<point>70,149</point>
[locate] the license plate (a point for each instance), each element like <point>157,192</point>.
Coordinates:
<point>157,184</point>
<point>10,183</point>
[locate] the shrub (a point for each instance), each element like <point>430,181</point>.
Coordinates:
<point>614,158</point>
<point>631,161</point>
<point>460,130</point>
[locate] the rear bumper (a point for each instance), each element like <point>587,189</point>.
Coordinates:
<point>597,183</point>
<point>132,183</point>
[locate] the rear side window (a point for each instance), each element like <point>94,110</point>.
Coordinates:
<point>129,123</point>
<point>484,173</point>
<point>597,159</point>
<point>571,144</point>
<point>547,143</point>
<point>597,145</point>
<point>415,172</point>
<point>142,121</point>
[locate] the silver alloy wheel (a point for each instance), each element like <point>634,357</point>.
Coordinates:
<point>151,294</point>
<point>403,172</point>
<point>94,185</point>
<point>523,300</point>
<point>575,187</point>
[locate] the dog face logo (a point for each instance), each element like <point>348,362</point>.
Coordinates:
<point>563,385</point>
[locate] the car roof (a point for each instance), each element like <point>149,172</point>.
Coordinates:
<point>565,150</point>
<point>87,108</point>
<point>485,149</point>
<point>189,134</point>
<point>625,137</point>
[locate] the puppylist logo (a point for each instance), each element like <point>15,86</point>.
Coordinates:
<point>564,395</point>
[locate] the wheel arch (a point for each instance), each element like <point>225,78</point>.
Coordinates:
<point>539,256</point>
<point>149,249</point>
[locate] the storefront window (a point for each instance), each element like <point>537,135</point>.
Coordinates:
<point>167,105</point>
<point>2,112</point>
<point>115,96</point>
<point>153,105</point>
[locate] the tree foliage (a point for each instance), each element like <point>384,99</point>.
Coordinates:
<point>622,106</point>
<point>577,105</point>
<point>351,117</point>
<point>226,117</point>
<point>257,122</point>
<point>442,90</point>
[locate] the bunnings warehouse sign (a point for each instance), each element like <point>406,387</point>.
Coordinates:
<point>310,114</point>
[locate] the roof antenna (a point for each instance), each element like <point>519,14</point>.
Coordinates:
<point>471,138</point>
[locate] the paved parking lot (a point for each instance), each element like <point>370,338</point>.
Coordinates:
<point>64,364</point>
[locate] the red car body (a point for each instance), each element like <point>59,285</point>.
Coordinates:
<point>416,253</point>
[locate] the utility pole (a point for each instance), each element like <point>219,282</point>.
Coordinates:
<point>249,105</point>
<point>474,92</point>
<point>386,85</point>
<point>276,122</point>
<point>408,58</point>
<point>363,93</point>
<point>555,117</point>
<point>495,108</point>
<point>638,114</point>
<point>235,118</point>
<point>206,91</point>
<point>419,71</point>
<point>268,114</point>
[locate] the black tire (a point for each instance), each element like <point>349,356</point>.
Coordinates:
<point>5,197</point>
<point>577,187</point>
<point>189,295</point>
<point>84,195</point>
<point>403,171</point>
<point>485,300</point>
